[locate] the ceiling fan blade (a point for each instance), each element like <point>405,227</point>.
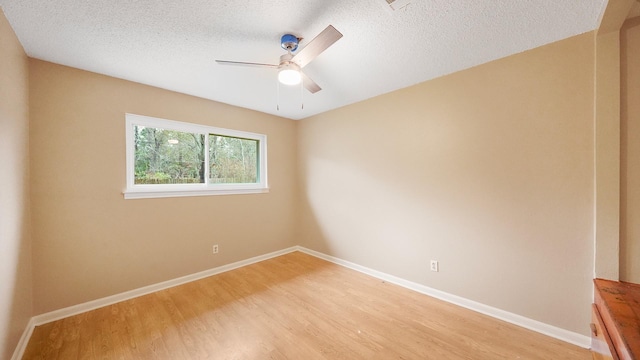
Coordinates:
<point>240,63</point>
<point>316,46</point>
<point>310,84</point>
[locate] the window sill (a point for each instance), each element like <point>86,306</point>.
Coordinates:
<point>151,194</point>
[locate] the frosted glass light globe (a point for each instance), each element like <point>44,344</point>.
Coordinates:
<point>289,76</point>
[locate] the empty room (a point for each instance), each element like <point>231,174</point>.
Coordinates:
<point>382,179</point>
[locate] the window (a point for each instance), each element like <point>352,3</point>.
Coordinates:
<point>169,158</point>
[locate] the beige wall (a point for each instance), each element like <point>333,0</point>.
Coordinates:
<point>88,241</point>
<point>15,239</point>
<point>630,151</point>
<point>489,171</point>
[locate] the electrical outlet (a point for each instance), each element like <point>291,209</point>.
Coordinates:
<point>215,249</point>
<point>434,265</point>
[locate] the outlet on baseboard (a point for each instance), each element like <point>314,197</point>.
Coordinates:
<point>434,265</point>
<point>215,249</point>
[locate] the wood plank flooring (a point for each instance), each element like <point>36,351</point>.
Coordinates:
<point>291,307</point>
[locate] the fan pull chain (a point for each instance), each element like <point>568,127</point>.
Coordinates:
<point>302,94</point>
<point>278,91</point>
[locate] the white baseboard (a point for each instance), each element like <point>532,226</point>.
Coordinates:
<point>558,333</point>
<point>24,340</point>
<point>537,326</point>
<point>109,300</point>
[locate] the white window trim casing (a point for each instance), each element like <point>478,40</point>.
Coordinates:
<point>134,191</point>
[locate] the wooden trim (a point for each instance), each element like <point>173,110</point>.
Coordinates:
<point>617,305</point>
<point>599,330</point>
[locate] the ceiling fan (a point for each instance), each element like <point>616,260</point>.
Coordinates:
<point>290,66</point>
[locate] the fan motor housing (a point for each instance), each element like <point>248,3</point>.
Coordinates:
<point>285,62</point>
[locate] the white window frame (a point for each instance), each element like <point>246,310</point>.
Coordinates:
<point>140,191</point>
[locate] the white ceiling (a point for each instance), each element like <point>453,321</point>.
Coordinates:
<point>173,44</point>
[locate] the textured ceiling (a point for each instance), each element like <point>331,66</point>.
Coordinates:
<point>173,44</point>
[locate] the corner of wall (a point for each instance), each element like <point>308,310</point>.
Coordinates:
<point>16,284</point>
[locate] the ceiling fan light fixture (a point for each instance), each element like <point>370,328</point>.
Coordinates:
<point>290,65</point>
<point>289,76</point>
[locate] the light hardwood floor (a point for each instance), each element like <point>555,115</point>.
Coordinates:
<point>291,307</point>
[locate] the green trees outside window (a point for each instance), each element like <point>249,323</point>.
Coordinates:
<point>232,160</point>
<point>165,156</point>
<point>168,158</point>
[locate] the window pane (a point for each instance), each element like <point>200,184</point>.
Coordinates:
<point>232,160</point>
<point>168,157</point>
